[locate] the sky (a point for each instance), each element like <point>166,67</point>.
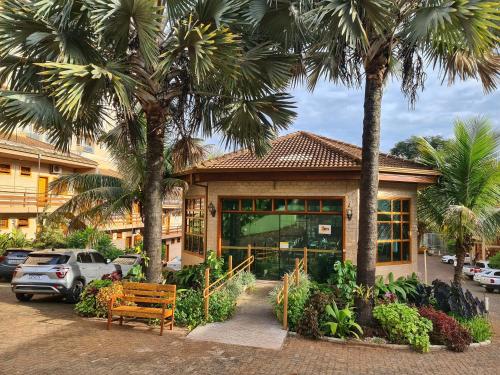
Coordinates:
<point>337,112</point>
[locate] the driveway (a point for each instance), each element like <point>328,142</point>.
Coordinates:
<point>46,337</point>
<point>444,272</point>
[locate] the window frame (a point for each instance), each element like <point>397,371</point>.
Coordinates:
<point>306,200</point>
<point>4,223</point>
<point>5,168</point>
<point>25,174</point>
<point>391,223</point>
<point>201,218</point>
<point>19,225</point>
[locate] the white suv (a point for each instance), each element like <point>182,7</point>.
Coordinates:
<point>62,272</point>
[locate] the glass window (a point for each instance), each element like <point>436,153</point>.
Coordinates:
<point>384,252</point>
<point>247,204</point>
<point>393,231</point>
<point>279,205</point>
<point>396,206</point>
<point>230,204</point>
<point>98,258</point>
<point>296,205</point>
<point>43,259</point>
<point>25,171</point>
<point>384,231</point>
<point>384,217</point>
<point>84,258</point>
<point>263,205</point>
<point>332,205</point>
<point>384,205</point>
<point>406,205</point>
<point>194,235</point>
<point>313,205</point>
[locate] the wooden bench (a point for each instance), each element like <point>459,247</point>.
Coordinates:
<point>141,294</point>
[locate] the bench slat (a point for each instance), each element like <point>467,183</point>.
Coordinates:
<point>146,286</point>
<point>136,292</point>
<point>140,299</point>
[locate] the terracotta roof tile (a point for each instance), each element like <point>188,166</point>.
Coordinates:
<point>34,146</point>
<point>303,150</point>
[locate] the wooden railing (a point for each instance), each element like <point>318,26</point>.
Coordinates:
<point>27,197</point>
<point>211,288</point>
<point>282,296</point>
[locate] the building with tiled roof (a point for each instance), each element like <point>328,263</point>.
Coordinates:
<point>303,150</point>
<point>302,194</point>
<point>28,164</point>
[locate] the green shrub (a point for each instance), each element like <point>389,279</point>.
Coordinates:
<point>92,238</point>
<point>403,287</point>
<point>342,322</point>
<point>50,236</point>
<point>479,328</point>
<point>404,325</point>
<point>495,261</point>
<point>88,305</point>
<point>15,239</point>
<point>189,308</point>
<point>314,316</point>
<point>344,279</point>
<point>297,298</point>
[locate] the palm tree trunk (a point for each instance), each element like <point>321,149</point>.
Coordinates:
<point>368,190</point>
<point>460,254</point>
<point>153,194</point>
<point>461,247</point>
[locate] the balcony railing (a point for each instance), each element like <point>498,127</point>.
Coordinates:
<point>26,197</point>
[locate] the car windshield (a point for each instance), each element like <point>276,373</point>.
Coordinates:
<point>17,253</point>
<point>46,259</point>
<point>480,265</point>
<point>125,260</point>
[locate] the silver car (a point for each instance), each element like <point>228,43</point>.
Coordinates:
<point>62,272</point>
<point>126,262</point>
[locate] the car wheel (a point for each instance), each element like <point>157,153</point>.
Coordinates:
<point>74,293</point>
<point>450,261</point>
<point>489,290</point>
<point>23,297</point>
<point>470,277</point>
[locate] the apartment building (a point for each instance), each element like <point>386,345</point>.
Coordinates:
<point>28,164</point>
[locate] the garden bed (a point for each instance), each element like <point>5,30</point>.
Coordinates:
<point>405,313</point>
<point>371,343</point>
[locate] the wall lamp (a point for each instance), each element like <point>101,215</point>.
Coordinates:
<point>349,212</point>
<point>211,209</point>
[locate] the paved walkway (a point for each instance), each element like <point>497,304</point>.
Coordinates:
<point>252,325</point>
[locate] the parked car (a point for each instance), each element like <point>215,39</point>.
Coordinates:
<point>173,265</point>
<point>62,272</point>
<point>478,276</point>
<point>479,267</point>
<point>451,259</point>
<point>492,282</point>
<point>125,262</point>
<point>10,260</point>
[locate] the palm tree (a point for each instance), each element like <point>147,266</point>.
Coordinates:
<point>70,67</point>
<point>356,42</point>
<point>464,204</point>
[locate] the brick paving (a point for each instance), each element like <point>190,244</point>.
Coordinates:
<point>46,337</point>
<point>254,323</point>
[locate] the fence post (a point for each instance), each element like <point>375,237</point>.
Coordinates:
<point>305,260</point>
<point>230,265</point>
<point>285,302</point>
<point>249,254</point>
<point>206,291</point>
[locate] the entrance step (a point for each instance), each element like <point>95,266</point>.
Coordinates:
<point>253,323</point>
